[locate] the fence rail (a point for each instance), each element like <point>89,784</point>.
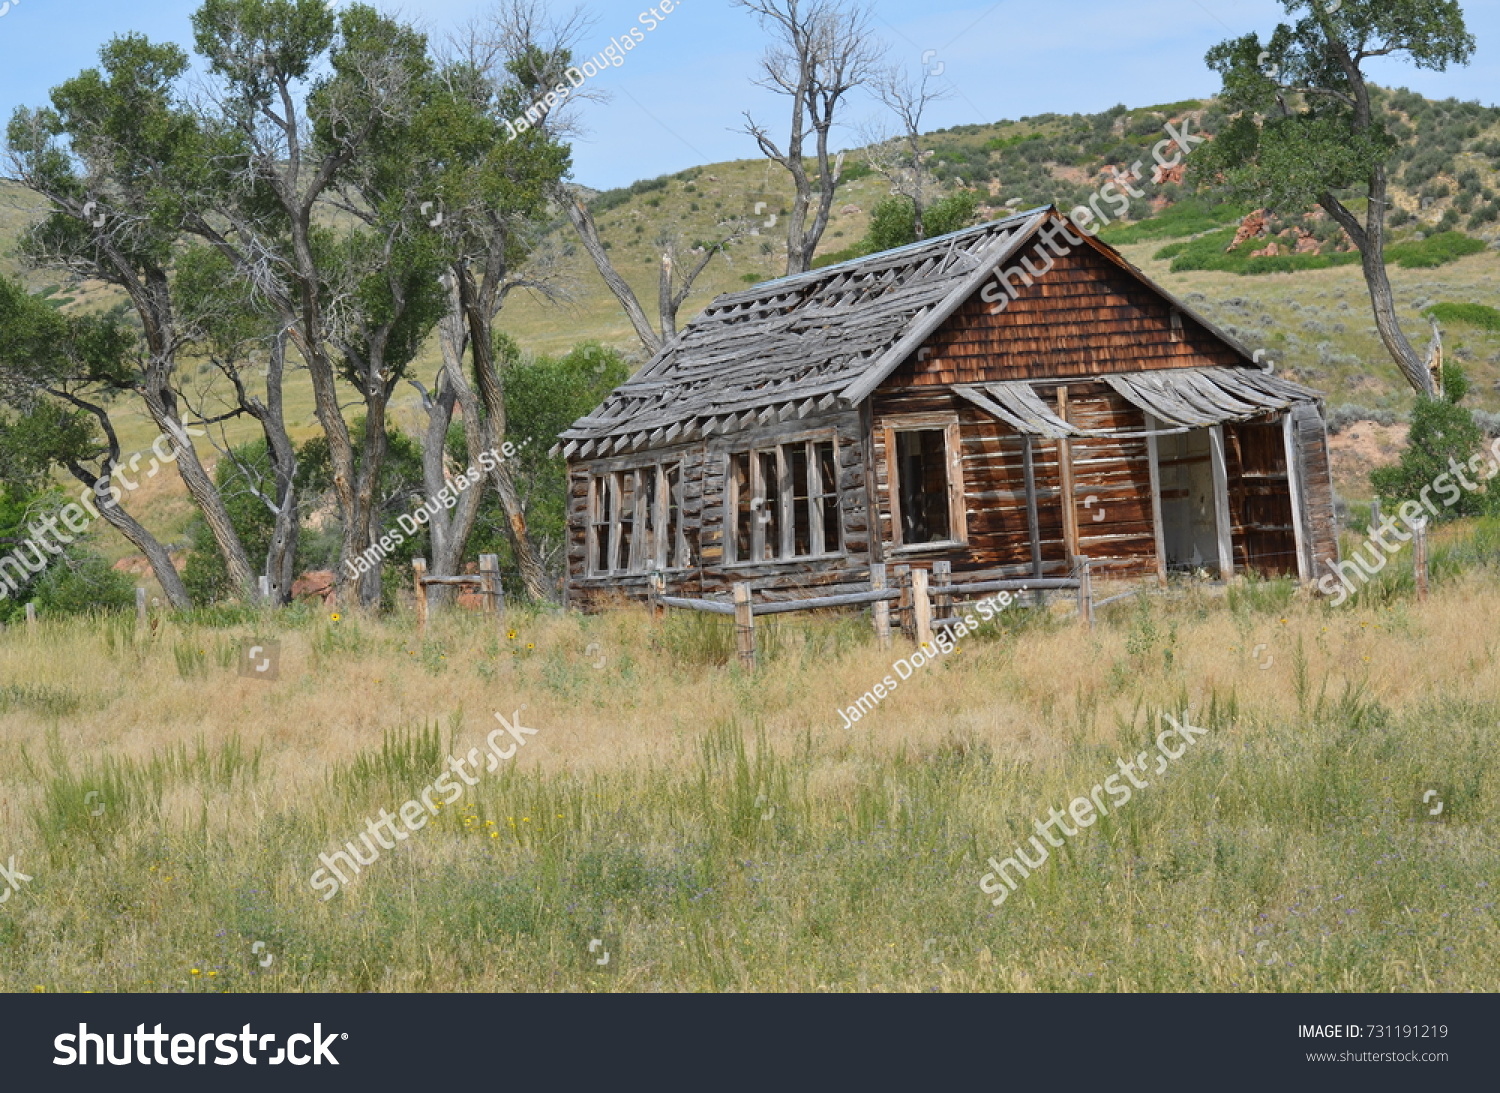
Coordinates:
<point>923,601</point>
<point>487,584</point>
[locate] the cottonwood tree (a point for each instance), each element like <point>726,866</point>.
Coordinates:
<point>314,113</point>
<point>494,191</point>
<point>1306,133</point>
<point>823,50</point>
<point>59,376</point>
<point>900,158</point>
<point>111,155</point>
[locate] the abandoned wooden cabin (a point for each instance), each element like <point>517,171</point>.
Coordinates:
<point>1005,398</point>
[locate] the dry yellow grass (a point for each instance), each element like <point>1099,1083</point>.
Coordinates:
<point>722,830</point>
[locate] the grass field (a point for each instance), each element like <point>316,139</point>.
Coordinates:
<point>714,830</point>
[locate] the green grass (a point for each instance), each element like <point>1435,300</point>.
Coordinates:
<point>1208,252</point>
<point>1480,315</point>
<point>1190,217</point>
<point>739,875</point>
<point>1435,250</point>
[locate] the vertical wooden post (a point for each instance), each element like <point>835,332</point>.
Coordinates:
<point>140,608</point>
<point>31,616</point>
<point>419,578</point>
<point>904,618</point>
<point>1374,515</point>
<point>921,607</point>
<point>1085,591</point>
<point>1220,466</point>
<point>942,589</point>
<point>1153,464</point>
<point>1065,475</point>
<point>489,586</point>
<point>1297,490</point>
<point>264,584</point>
<point>1420,552</point>
<point>1033,524</point>
<point>658,590</point>
<point>882,609</point>
<point>744,625</point>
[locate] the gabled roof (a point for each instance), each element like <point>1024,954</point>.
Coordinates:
<point>795,346</point>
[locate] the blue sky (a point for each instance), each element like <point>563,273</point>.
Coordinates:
<point>679,97</point>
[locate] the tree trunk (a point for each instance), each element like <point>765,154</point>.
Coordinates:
<point>205,494</point>
<point>588,233</point>
<point>360,524</point>
<point>492,395</point>
<point>451,529</point>
<point>281,557</point>
<point>1369,238</point>
<point>128,526</point>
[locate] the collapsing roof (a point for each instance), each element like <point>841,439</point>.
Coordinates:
<point>1179,398</point>
<point>800,345</point>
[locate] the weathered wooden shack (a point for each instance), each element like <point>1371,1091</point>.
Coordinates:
<point>1004,398</point>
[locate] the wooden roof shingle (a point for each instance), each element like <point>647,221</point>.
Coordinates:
<point>795,345</point>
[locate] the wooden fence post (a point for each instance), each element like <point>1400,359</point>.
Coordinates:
<point>1420,558</point>
<point>419,578</point>
<point>658,586</point>
<point>882,608</point>
<point>942,589</point>
<point>1085,591</point>
<point>30,616</point>
<point>490,586</point>
<point>140,608</point>
<point>1374,515</point>
<point>921,607</point>
<point>263,583</point>
<point>744,625</point>
<point>904,618</point>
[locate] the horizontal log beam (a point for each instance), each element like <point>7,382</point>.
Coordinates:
<point>697,605</point>
<point>1034,584</point>
<point>848,599</point>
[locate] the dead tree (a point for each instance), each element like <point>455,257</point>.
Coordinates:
<point>823,50</point>
<point>900,159</point>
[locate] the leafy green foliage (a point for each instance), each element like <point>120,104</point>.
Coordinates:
<point>75,582</point>
<point>544,396</point>
<point>893,223</point>
<point>1443,436</point>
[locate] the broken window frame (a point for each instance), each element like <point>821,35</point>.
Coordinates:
<point>958,526</point>
<point>760,491</point>
<point>652,536</point>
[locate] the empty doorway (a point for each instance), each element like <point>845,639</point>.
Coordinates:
<point>1189,505</point>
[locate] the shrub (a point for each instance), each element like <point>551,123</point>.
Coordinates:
<point>1442,433</point>
<point>894,221</point>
